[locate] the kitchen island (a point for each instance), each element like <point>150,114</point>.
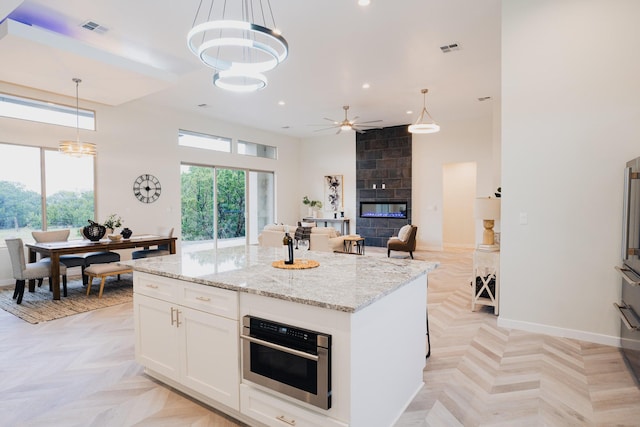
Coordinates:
<point>189,312</point>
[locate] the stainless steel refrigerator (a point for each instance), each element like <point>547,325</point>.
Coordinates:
<point>629,306</point>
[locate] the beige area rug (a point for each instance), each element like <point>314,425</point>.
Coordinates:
<point>39,306</point>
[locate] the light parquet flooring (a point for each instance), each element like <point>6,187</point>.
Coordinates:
<point>482,375</point>
<point>80,371</point>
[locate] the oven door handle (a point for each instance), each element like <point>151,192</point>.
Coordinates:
<point>629,276</point>
<point>279,347</point>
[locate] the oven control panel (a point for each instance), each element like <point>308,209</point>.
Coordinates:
<point>283,334</point>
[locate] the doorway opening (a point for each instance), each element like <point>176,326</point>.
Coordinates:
<point>458,197</point>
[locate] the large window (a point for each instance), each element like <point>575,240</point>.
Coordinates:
<point>28,173</point>
<point>17,107</point>
<point>204,141</point>
<point>257,150</point>
<point>224,207</point>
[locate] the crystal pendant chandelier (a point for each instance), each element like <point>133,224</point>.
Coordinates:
<point>424,125</point>
<point>77,148</point>
<point>235,39</point>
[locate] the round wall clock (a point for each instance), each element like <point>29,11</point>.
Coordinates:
<point>147,188</point>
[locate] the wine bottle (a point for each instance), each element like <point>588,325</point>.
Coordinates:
<point>287,243</point>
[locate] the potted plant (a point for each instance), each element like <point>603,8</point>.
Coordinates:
<point>112,222</point>
<point>313,206</point>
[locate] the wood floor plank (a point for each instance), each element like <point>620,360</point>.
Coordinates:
<point>80,371</point>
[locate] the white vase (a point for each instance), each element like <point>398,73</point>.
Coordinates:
<point>309,212</point>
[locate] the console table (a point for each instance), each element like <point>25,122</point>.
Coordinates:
<point>344,223</point>
<point>485,283</point>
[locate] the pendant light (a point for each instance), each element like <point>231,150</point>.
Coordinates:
<point>77,148</point>
<point>421,125</point>
<point>238,43</point>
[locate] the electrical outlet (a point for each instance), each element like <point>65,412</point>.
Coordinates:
<point>524,220</point>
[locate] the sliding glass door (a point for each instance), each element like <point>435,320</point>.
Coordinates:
<point>261,203</point>
<point>224,207</point>
<point>231,207</point>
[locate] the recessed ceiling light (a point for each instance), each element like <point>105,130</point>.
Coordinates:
<point>364,2</point>
<point>409,111</point>
<point>280,102</point>
<point>366,86</point>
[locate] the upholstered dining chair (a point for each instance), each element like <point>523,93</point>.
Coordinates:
<point>405,241</point>
<point>70,260</point>
<point>23,271</point>
<point>75,260</point>
<point>160,250</point>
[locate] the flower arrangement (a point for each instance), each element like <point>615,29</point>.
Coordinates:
<point>113,221</point>
<point>312,203</point>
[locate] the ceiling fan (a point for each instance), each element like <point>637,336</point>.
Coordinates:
<point>347,124</point>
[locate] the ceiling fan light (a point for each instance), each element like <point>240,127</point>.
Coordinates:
<point>346,127</point>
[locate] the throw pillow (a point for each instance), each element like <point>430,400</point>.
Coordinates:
<point>303,233</point>
<point>404,232</point>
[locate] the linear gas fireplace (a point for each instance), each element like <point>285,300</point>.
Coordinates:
<point>383,210</point>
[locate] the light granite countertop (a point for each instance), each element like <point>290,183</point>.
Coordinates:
<point>342,282</point>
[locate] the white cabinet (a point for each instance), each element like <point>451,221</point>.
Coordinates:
<point>156,335</point>
<point>181,334</point>
<point>275,412</point>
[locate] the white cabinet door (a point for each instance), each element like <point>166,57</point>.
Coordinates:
<point>156,336</point>
<point>210,359</point>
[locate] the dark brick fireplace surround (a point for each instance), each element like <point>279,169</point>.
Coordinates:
<point>383,156</point>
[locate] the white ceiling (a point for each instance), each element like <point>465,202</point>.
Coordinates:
<point>334,47</point>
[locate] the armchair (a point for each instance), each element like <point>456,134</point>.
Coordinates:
<point>404,242</point>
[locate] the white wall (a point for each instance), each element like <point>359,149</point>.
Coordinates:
<point>457,142</point>
<point>570,121</point>
<point>135,138</point>
<point>328,154</point>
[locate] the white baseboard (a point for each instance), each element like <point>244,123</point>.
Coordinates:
<point>559,332</point>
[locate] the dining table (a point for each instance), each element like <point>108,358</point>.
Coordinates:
<point>55,249</point>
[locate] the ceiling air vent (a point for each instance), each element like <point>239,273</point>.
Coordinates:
<point>449,47</point>
<point>94,26</point>
<point>484,98</point>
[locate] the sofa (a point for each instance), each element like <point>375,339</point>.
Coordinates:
<point>325,239</point>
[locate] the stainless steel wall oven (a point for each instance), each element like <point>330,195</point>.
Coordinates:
<point>629,306</point>
<point>287,359</point>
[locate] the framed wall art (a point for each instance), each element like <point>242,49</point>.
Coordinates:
<point>333,192</point>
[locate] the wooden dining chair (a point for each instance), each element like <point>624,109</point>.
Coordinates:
<point>23,271</point>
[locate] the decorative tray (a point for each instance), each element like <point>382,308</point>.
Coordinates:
<point>298,264</point>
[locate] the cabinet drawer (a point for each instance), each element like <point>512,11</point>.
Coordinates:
<point>221,302</point>
<point>275,412</point>
<point>154,286</point>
